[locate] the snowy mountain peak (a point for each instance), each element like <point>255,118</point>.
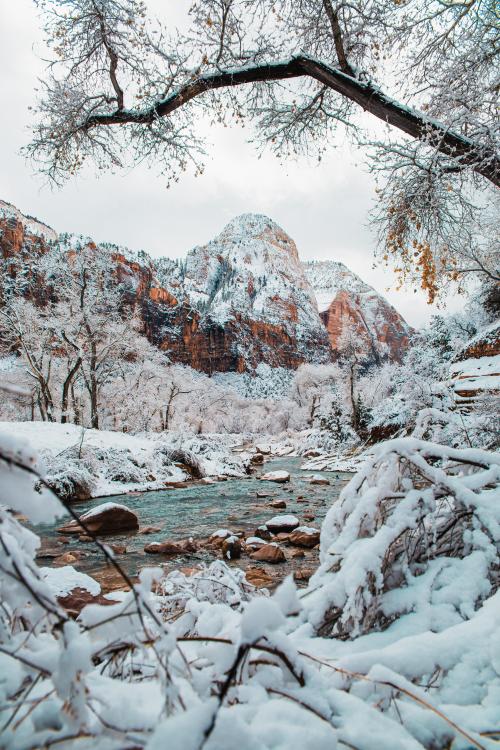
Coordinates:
<point>248,227</point>
<point>242,299</point>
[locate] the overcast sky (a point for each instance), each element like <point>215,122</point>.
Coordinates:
<point>323,207</point>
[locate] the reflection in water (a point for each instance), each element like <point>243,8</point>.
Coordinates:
<point>200,509</point>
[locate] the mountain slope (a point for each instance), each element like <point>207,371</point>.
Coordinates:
<point>241,299</point>
<point>345,300</point>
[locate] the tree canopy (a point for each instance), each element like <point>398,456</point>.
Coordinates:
<point>121,86</point>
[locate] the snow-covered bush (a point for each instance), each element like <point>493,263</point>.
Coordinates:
<point>415,531</point>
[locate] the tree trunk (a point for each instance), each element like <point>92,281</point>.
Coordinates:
<point>66,387</point>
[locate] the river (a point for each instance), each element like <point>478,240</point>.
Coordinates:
<point>198,510</point>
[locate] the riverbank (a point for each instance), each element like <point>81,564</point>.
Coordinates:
<point>81,463</point>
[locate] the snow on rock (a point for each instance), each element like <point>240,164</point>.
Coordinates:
<point>107,518</point>
<point>62,581</point>
<point>304,536</point>
<point>472,377</point>
<point>282,522</point>
<point>344,299</point>
<point>221,534</point>
<point>334,462</point>
<point>276,476</point>
<point>81,464</point>
<point>475,369</point>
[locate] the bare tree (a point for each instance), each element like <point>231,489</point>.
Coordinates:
<point>120,86</point>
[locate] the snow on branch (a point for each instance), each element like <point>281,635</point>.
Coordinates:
<point>416,520</point>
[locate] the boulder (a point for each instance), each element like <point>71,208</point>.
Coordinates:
<point>253,542</point>
<point>297,553</point>
<point>269,553</point>
<point>164,548</point>
<point>72,589</point>
<point>263,448</point>
<point>231,548</point>
<point>78,598</point>
<point>276,476</point>
<point>264,533</point>
<point>259,577</point>
<point>108,518</point>
<point>309,516</point>
<point>318,479</point>
<point>217,538</point>
<point>263,494</point>
<point>257,459</point>
<point>303,574</point>
<point>304,536</point>
<point>278,504</point>
<point>282,522</point>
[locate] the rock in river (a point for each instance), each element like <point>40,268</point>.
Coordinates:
<point>276,476</point>
<point>318,479</point>
<point>231,548</point>
<point>108,518</point>
<point>282,522</point>
<point>164,548</point>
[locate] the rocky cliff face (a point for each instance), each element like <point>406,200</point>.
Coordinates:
<point>476,368</point>
<point>242,299</point>
<point>345,301</point>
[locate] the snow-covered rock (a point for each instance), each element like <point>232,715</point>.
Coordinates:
<point>282,522</point>
<point>276,476</point>
<point>304,536</point>
<point>107,518</point>
<point>63,580</point>
<point>476,369</point>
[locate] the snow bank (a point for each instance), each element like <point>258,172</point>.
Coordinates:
<point>83,463</point>
<point>63,580</point>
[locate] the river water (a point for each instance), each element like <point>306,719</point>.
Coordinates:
<point>200,509</point>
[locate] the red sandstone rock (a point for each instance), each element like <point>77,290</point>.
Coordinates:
<point>304,537</point>
<point>270,553</point>
<point>78,598</point>
<point>259,577</point>
<point>231,548</point>
<point>109,518</point>
<point>278,504</point>
<point>303,574</point>
<point>164,548</point>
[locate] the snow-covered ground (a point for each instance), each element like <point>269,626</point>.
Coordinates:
<point>83,463</point>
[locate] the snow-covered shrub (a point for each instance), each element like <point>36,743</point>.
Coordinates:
<point>415,531</point>
<point>180,595</point>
